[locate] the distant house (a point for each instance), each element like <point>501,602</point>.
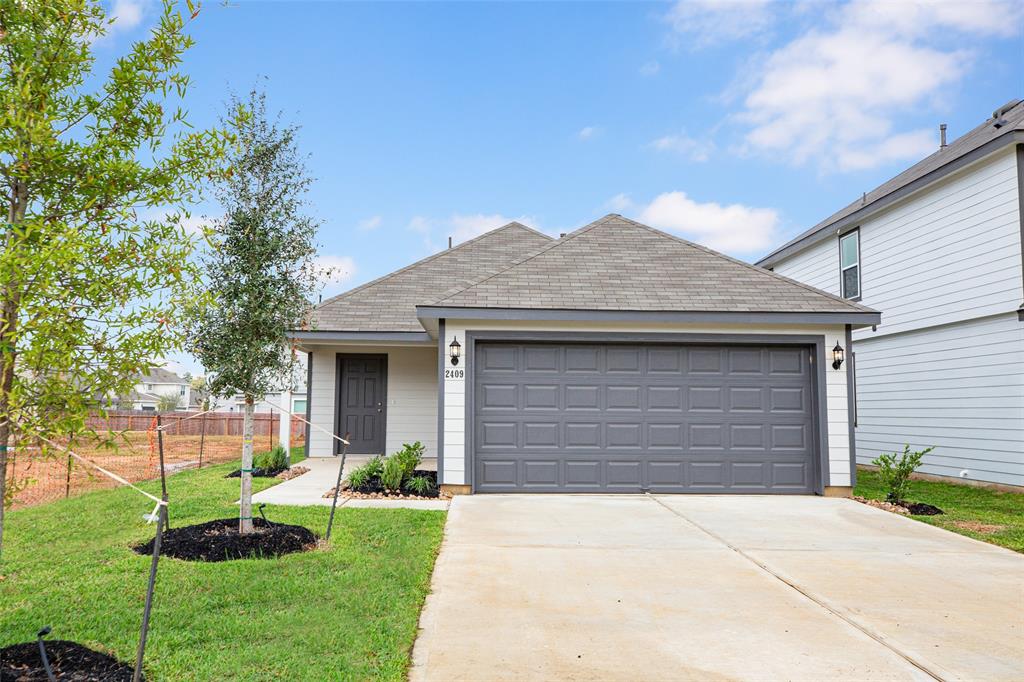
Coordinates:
<point>154,385</point>
<point>937,250</point>
<point>272,401</point>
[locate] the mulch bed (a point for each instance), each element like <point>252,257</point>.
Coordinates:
<point>70,661</point>
<point>220,541</point>
<point>914,508</point>
<point>375,491</point>
<point>258,473</point>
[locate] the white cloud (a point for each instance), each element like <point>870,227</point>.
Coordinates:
<point>369,224</point>
<point>461,227</point>
<point>619,202</point>
<point>651,68</point>
<point>335,269</point>
<point>735,228</point>
<point>588,132</point>
<point>831,95</point>
<point>683,144</point>
<point>703,23</point>
<point>127,14</point>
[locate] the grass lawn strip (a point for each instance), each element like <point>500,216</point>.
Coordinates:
<point>981,513</point>
<point>346,612</point>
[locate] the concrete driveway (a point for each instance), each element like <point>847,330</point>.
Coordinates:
<point>714,588</point>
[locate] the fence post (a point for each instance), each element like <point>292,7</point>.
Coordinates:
<point>163,471</point>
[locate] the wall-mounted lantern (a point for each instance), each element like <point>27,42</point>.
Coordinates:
<point>837,356</point>
<point>455,350</point>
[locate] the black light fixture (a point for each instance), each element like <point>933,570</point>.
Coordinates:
<point>837,356</point>
<point>455,350</point>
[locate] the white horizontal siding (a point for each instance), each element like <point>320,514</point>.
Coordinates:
<point>835,383</point>
<point>958,387</point>
<point>411,394</point>
<point>947,254</point>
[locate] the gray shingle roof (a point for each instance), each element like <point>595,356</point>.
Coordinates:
<point>389,303</point>
<point>619,264</point>
<point>1012,121</point>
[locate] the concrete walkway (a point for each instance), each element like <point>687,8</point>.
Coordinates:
<point>309,488</point>
<point>714,588</point>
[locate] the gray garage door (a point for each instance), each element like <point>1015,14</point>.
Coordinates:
<point>631,418</point>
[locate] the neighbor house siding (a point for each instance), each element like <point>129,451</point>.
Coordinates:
<point>411,396</point>
<point>944,268</point>
<point>455,389</point>
<point>959,387</point>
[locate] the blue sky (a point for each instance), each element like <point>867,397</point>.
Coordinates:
<point>734,124</point>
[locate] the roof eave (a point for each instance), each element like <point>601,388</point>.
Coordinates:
<point>1011,137</point>
<point>857,319</point>
<point>326,336</point>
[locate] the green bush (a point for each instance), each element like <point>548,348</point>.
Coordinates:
<point>393,473</point>
<point>410,457</point>
<point>420,485</point>
<point>361,476</point>
<point>895,472</point>
<point>275,459</point>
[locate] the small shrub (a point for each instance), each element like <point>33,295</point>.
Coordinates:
<point>393,473</point>
<point>895,472</point>
<point>364,475</point>
<point>270,461</point>
<point>410,457</point>
<point>420,485</point>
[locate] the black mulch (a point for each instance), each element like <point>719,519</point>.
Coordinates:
<point>374,486</point>
<point>258,473</point>
<point>922,509</point>
<point>70,661</point>
<point>220,541</point>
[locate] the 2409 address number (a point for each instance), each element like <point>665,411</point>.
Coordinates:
<point>455,374</point>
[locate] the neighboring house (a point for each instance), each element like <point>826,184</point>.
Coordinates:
<point>615,359</point>
<point>272,401</point>
<point>149,388</point>
<point>937,250</point>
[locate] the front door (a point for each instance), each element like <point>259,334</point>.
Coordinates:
<point>362,402</point>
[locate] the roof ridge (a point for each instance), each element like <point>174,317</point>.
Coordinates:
<point>750,266</point>
<point>431,257</point>
<point>516,263</point>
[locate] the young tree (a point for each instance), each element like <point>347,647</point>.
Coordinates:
<point>168,402</point>
<point>94,264</point>
<point>262,274</point>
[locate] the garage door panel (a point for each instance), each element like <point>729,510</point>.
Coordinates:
<point>628,418</point>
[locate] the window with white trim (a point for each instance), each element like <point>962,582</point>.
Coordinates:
<point>849,264</point>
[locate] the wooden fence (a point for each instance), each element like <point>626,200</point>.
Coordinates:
<point>212,423</point>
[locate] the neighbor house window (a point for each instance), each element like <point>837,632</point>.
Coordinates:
<point>849,264</point>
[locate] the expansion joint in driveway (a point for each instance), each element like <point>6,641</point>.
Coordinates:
<point>923,667</point>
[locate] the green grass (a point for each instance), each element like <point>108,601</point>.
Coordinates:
<point>964,507</point>
<point>347,612</point>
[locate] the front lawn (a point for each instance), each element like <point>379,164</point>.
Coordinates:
<point>347,612</point>
<point>980,513</point>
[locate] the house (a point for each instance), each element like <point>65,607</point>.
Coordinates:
<point>157,383</point>
<point>292,398</point>
<point>617,358</point>
<point>937,250</point>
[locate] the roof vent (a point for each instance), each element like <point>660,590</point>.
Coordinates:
<point>449,242</point>
<point>998,114</point>
<point>942,136</point>
<point>561,235</point>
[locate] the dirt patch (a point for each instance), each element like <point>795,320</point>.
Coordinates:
<point>978,527</point>
<point>70,661</point>
<point>220,541</point>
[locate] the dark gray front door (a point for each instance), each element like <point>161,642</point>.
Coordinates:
<point>578,417</point>
<point>362,402</point>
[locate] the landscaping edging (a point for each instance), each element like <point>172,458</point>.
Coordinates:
<point>910,509</point>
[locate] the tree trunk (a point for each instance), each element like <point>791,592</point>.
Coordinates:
<point>245,509</point>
